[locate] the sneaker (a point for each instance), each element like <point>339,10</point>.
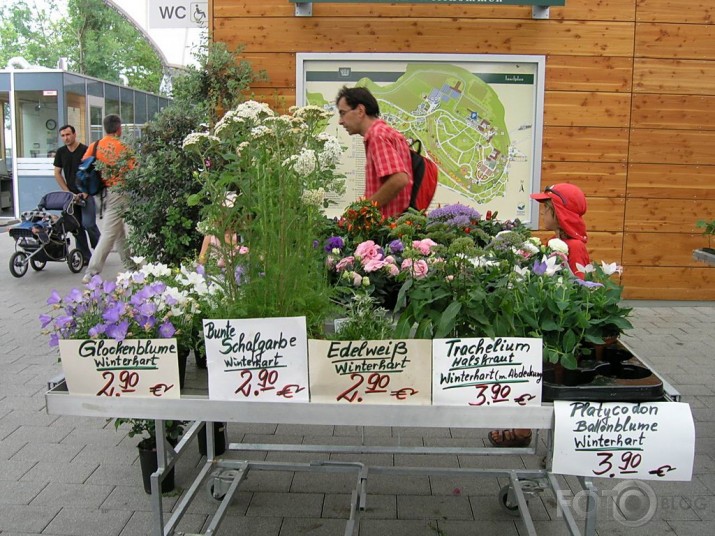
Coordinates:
<point>87,277</point>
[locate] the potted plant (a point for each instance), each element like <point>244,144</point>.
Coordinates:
<point>706,254</point>
<point>145,428</point>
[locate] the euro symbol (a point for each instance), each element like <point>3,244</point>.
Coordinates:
<point>523,399</point>
<point>662,470</point>
<point>403,393</point>
<point>160,388</point>
<point>289,390</point>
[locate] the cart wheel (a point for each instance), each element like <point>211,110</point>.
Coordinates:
<point>504,502</point>
<point>37,265</point>
<point>215,494</point>
<point>75,260</point>
<point>18,264</point>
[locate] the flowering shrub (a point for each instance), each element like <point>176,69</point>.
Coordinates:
<point>153,302</point>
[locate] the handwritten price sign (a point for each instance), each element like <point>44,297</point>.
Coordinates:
<point>258,359</point>
<point>370,372</point>
<point>144,368</point>
<point>624,440</point>
<point>486,372</point>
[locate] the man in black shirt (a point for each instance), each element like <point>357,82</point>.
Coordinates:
<point>67,160</point>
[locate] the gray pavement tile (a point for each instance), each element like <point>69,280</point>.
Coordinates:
<point>689,528</point>
<point>68,473</point>
<point>273,439</point>
<point>8,448</point>
<point>312,527</point>
<point>203,503</point>
<point>651,528</point>
<point>433,507</point>
<point>386,484</point>
<point>426,460</point>
<point>398,527</point>
<point>141,523</point>
<point>464,485</point>
<point>47,452</point>
<point>30,519</point>
<point>41,434</point>
<point>19,417</point>
<point>239,429</point>
<point>19,492</point>
<point>135,499</point>
<point>297,457</point>
<point>5,431</point>
<point>485,507</point>
<point>469,528</point>
<point>304,430</point>
<point>377,506</point>
<point>258,526</point>
<point>275,481</point>
<point>121,454</point>
<point>23,403</point>
<point>497,461</point>
<point>84,496</point>
<point>14,470</point>
<point>385,460</point>
<point>421,432</point>
<point>92,437</point>
<point>286,505</point>
<point>85,423</point>
<point>119,474</point>
<point>323,482</point>
<point>81,522</point>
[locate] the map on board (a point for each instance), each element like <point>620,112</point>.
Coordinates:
<point>476,121</point>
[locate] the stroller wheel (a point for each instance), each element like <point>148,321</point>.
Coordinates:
<point>75,260</point>
<point>18,264</point>
<point>37,265</point>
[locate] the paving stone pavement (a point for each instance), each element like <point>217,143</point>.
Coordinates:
<point>62,475</point>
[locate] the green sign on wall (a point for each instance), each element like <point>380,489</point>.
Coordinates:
<point>503,2</point>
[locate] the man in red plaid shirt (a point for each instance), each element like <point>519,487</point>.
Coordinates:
<point>388,165</point>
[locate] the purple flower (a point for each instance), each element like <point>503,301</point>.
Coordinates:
<point>118,331</point>
<point>200,269</point>
<point>316,243</point>
<point>108,286</point>
<point>334,242</point>
<point>54,340</point>
<point>114,312</point>
<point>238,274</point>
<point>589,284</point>
<point>396,247</point>
<point>147,308</point>
<point>146,322</point>
<point>167,330</point>
<point>97,330</point>
<point>54,298</point>
<point>63,321</point>
<point>539,267</point>
<point>75,296</point>
<point>458,215</point>
<point>45,320</point>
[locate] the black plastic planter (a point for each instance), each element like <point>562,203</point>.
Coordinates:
<point>149,465</point>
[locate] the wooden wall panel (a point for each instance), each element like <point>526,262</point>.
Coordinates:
<point>602,246</point>
<point>675,181</point>
<point>682,283</point>
<point>594,178</point>
<point>667,215</point>
<point>336,34</point>
<point>688,11</point>
<point>586,144</point>
<point>280,68</point>
<point>686,41</point>
<point>661,249</point>
<point>683,77</point>
<point>588,73</point>
<point>680,112</point>
<point>605,214</point>
<point>672,146</point>
<point>572,108</point>
<point>613,10</point>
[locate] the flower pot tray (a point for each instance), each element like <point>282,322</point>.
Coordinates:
<point>619,377</point>
<point>706,255</point>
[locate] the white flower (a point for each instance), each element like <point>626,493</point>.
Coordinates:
<point>534,240</point>
<point>303,163</point>
<point>313,198</point>
<point>198,139</point>
<point>157,270</point>
<point>556,244</point>
<point>521,271</point>
<point>588,269</point>
<point>530,247</point>
<point>612,268</point>
<point>260,131</point>
<point>138,260</point>
<point>482,262</point>
<point>331,153</point>
<point>552,265</point>
<point>253,110</point>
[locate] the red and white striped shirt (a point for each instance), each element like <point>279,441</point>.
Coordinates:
<point>387,153</point>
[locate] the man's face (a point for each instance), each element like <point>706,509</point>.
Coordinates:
<point>350,118</point>
<point>68,137</point>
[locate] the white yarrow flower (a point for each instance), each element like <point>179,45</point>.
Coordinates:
<point>556,244</point>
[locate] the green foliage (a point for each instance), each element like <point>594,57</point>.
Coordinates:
<point>95,38</point>
<point>364,321</point>
<point>146,429</point>
<point>708,227</point>
<point>162,227</point>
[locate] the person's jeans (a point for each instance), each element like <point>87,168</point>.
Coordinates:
<point>87,215</point>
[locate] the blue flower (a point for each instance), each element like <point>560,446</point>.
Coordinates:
<point>118,331</point>
<point>334,242</point>
<point>396,247</point>
<point>167,330</point>
<point>55,298</point>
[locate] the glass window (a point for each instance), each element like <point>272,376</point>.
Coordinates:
<point>76,105</point>
<point>127,106</point>
<point>37,118</point>
<point>152,106</point>
<point>95,88</point>
<point>111,100</point>
<point>140,113</point>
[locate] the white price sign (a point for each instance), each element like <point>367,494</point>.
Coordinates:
<point>646,441</point>
<point>257,359</point>
<point>487,372</point>
<point>144,368</point>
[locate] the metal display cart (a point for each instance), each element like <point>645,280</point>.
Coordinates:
<point>222,477</point>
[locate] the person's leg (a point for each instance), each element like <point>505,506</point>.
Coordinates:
<point>81,237</point>
<point>89,221</point>
<point>113,229</point>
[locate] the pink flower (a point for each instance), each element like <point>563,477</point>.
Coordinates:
<point>242,250</point>
<point>392,269</point>
<point>418,269</point>
<point>372,265</point>
<point>367,250</point>
<point>424,246</point>
<point>330,261</point>
<point>345,263</point>
<point>357,279</point>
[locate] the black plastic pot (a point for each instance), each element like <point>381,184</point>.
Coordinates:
<point>149,465</point>
<point>219,438</point>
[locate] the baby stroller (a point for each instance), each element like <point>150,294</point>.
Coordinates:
<point>43,237</point>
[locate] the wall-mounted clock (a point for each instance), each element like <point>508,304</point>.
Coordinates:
<point>51,124</point>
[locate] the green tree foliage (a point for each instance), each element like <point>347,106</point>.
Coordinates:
<point>96,40</point>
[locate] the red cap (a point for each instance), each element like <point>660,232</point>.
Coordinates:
<point>569,204</point>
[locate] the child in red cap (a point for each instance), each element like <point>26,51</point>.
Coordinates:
<point>563,208</point>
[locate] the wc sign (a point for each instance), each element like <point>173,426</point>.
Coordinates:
<point>178,14</point>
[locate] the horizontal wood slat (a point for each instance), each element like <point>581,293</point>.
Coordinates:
<point>661,249</point>
<point>674,181</point>
<point>689,11</point>
<point>677,283</point>
<point>335,34</point>
<point>622,10</point>
<point>588,73</point>
<point>688,77</point>
<point>570,108</point>
<point>685,41</point>
<point>672,146</point>
<point>688,112</point>
<point>589,144</point>
<point>667,215</point>
<point>594,178</point>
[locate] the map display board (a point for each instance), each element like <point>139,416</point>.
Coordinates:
<point>479,117</point>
